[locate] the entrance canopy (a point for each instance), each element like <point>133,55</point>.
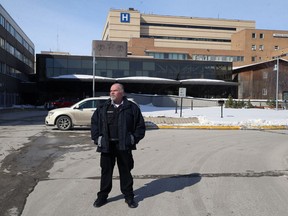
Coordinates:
<point>84,77</point>
<point>207,82</point>
<point>145,79</point>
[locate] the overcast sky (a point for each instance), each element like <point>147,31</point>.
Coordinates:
<point>71,25</point>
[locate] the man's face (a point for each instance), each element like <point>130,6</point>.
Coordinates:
<point>116,93</point>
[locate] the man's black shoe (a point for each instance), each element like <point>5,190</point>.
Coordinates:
<point>131,203</point>
<point>99,202</point>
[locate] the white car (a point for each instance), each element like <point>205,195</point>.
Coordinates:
<point>78,114</point>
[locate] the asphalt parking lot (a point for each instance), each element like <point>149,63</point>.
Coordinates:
<point>177,172</point>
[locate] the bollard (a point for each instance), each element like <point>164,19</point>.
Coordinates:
<point>192,104</point>
<point>181,106</point>
<point>221,103</point>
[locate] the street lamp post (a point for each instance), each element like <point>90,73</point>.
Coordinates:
<point>277,83</point>
<point>93,88</point>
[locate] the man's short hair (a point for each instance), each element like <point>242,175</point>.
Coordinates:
<point>121,87</point>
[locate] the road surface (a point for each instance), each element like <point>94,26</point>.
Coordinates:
<point>177,172</point>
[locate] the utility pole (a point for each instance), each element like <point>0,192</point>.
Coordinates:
<point>93,88</point>
<point>277,82</point>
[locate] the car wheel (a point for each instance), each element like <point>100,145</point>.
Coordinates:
<point>64,123</point>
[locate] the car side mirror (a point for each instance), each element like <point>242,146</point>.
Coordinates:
<point>76,107</point>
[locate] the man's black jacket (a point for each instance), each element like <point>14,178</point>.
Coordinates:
<point>131,126</point>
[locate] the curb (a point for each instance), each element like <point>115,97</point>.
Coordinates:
<point>266,127</point>
<point>219,127</point>
<point>199,127</point>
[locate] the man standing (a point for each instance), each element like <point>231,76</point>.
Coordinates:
<point>116,127</point>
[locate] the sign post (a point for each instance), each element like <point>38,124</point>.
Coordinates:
<point>182,93</point>
<point>93,85</point>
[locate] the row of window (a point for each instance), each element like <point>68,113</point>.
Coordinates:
<point>69,63</point>
<point>188,26</point>
<point>218,58</point>
<point>261,35</point>
<point>13,51</point>
<point>261,47</point>
<point>254,58</point>
<point>169,73</point>
<point>179,56</point>
<point>116,68</point>
<point>265,76</point>
<point>176,56</point>
<point>265,93</point>
<point>10,71</point>
<point>186,38</point>
<point>15,34</point>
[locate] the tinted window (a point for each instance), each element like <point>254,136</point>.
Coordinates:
<point>91,104</point>
<point>60,62</point>
<point>74,63</point>
<point>49,62</point>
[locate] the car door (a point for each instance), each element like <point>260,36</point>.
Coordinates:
<point>85,111</point>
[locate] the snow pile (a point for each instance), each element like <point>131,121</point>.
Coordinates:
<point>228,117</point>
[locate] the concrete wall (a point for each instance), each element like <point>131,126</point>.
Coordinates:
<point>173,101</point>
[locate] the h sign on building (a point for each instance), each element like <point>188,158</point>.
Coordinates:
<point>125,17</point>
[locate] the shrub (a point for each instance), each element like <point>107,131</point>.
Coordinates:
<point>249,104</point>
<point>271,103</point>
<point>230,103</point>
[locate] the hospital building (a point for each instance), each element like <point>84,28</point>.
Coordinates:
<point>158,54</point>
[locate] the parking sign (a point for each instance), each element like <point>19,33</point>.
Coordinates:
<point>182,92</point>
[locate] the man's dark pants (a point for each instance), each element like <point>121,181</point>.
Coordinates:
<point>125,164</point>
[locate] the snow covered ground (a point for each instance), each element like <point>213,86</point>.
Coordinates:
<point>211,116</point>
<point>233,117</point>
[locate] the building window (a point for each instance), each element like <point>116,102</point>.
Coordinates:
<point>117,73</point>
<point>253,35</point>
<point>265,75</point>
<point>60,62</point>
<point>264,91</point>
<point>123,65</point>
<point>101,64</point>
<point>253,47</point>
<point>218,58</point>
<point>261,36</point>
<point>276,47</point>
<point>261,47</point>
<point>103,73</point>
<point>253,58</point>
<point>178,56</point>
<point>2,43</point>
<point>72,63</point>
<point>148,66</point>
<point>112,65</point>
<point>2,20</point>
<point>136,65</point>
